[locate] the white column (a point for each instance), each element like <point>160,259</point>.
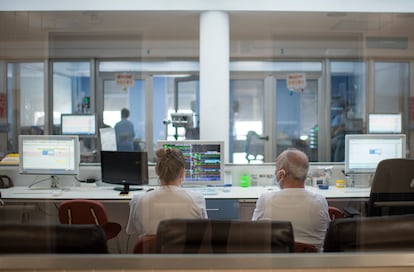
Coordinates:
<point>214,77</point>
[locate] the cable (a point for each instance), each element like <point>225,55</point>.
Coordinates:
<point>89,180</point>
<point>38,181</point>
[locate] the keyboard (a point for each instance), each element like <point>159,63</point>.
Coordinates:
<point>204,190</point>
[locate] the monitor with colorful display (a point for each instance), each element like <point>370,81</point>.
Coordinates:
<point>204,161</point>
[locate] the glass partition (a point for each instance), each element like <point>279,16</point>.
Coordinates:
<point>25,101</point>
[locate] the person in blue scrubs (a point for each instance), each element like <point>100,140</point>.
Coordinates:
<point>124,131</point>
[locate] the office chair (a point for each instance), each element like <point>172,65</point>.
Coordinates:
<point>335,213</point>
<point>392,189</point>
<point>86,211</point>
<point>304,248</point>
<point>377,233</point>
<point>38,239</point>
<point>145,244</point>
<point>224,236</point>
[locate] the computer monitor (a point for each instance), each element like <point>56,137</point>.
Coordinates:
<point>204,161</point>
<point>384,123</point>
<point>124,168</point>
<point>363,152</point>
<point>78,124</point>
<point>49,155</point>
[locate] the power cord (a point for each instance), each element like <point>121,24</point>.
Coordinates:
<point>89,180</point>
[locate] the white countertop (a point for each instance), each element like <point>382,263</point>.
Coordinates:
<point>108,193</point>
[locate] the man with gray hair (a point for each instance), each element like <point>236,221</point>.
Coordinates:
<point>307,211</point>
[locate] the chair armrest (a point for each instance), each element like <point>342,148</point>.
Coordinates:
<point>351,212</point>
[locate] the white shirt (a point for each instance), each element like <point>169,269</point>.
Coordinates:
<point>307,211</point>
<point>165,202</point>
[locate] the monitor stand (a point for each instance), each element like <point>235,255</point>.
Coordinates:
<point>125,189</point>
<point>54,182</point>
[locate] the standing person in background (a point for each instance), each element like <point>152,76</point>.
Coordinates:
<point>169,200</point>
<point>307,211</point>
<point>124,131</point>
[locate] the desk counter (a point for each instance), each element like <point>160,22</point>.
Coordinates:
<point>106,193</point>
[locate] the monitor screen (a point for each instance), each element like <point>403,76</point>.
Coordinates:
<point>384,123</point>
<point>78,124</point>
<point>49,154</point>
<point>204,161</point>
<point>363,152</point>
<point>124,168</point>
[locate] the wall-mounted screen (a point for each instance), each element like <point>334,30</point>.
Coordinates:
<point>204,161</point>
<point>124,168</point>
<point>78,124</point>
<point>384,123</point>
<point>49,154</point>
<point>363,152</point>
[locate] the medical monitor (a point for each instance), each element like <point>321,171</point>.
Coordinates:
<point>384,123</point>
<point>124,168</point>
<point>204,161</point>
<point>49,155</point>
<point>363,152</point>
<point>78,124</point>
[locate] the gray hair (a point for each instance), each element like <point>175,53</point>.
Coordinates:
<point>295,162</point>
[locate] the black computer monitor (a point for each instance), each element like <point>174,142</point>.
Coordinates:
<point>124,168</point>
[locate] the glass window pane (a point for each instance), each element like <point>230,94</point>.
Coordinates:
<point>391,86</point>
<point>71,89</point>
<point>72,94</point>
<point>247,100</point>
<point>297,120</point>
<point>347,104</point>
<point>25,88</point>
<point>132,98</point>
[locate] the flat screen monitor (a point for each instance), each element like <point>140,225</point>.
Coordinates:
<point>363,152</point>
<point>124,168</point>
<point>384,123</point>
<point>49,155</point>
<point>204,161</point>
<point>78,124</point>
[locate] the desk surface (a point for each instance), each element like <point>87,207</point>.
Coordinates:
<point>107,193</point>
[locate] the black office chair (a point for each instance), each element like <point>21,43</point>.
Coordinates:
<point>224,236</point>
<point>392,189</point>
<point>377,233</point>
<point>37,239</point>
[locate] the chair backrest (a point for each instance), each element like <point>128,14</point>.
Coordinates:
<point>377,233</point>
<point>145,244</point>
<point>36,239</point>
<point>82,211</point>
<point>304,248</point>
<point>224,236</point>
<point>335,213</point>
<point>392,189</point>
